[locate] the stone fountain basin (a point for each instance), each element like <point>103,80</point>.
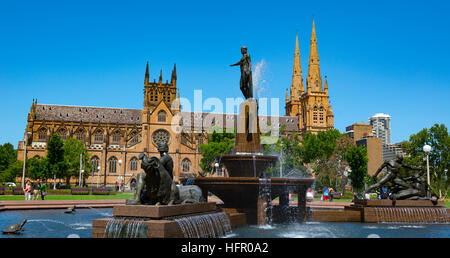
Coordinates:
<point>244,193</point>
<point>248,165</point>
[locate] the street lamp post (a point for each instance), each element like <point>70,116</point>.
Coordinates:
<point>217,167</point>
<point>98,174</point>
<point>25,142</point>
<point>81,169</point>
<point>427,150</point>
<point>120,169</point>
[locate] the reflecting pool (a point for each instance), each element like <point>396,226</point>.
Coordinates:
<point>54,223</point>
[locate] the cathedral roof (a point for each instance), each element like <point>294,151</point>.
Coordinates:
<point>87,114</point>
<point>224,120</point>
<point>66,113</point>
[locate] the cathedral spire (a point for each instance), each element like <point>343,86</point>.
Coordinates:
<point>147,75</point>
<point>174,74</point>
<point>314,80</point>
<point>325,86</point>
<point>297,88</point>
<point>160,76</point>
<point>287,95</point>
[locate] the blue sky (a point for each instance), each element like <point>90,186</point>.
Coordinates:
<point>379,56</point>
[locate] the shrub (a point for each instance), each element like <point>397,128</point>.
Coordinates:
<point>58,192</point>
<point>80,191</point>
<point>100,191</point>
<point>17,191</point>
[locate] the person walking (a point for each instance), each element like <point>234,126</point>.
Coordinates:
<point>27,190</point>
<point>325,194</point>
<point>36,190</point>
<point>330,194</point>
<point>43,190</point>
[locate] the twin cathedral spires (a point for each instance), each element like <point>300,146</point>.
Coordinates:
<point>309,104</point>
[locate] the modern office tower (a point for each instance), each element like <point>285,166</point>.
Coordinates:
<point>381,124</point>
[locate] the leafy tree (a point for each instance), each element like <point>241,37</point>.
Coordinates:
<point>218,144</point>
<point>439,158</point>
<point>38,168</point>
<point>7,156</point>
<point>13,171</point>
<point>357,159</point>
<point>324,153</point>
<point>288,150</point>
<point>55,156</point>
<point>72,149</point>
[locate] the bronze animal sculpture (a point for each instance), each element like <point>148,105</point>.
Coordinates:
<point>156,187</point>
<point>14,228</point>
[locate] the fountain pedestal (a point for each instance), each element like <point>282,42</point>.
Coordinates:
<point>403,211</point>
<point>156,221</point>
<point>243,194</point>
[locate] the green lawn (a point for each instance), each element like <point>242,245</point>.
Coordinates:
<point>71,197</point>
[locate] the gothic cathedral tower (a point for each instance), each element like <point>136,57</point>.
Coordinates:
<point>311,106</point>
<point>159,105</point>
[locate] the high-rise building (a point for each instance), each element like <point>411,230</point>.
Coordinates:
<point>359,130</point>
<point>381,124</point>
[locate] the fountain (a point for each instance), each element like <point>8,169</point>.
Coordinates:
<point>246,166</point>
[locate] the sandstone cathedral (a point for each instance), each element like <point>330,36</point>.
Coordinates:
<point>115,137</point>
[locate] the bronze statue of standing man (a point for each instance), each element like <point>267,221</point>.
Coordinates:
<point>246,74</point>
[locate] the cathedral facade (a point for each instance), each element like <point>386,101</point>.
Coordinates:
<point>115,137</point>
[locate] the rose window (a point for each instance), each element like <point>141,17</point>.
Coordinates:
<point>160,136</point>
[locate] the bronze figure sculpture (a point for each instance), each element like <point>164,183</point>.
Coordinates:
<point>403,188</point>
<point>165,159</point>
<point>246,83</point>
<point>156,187</point>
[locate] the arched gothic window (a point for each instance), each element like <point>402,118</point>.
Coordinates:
<point>116,137</point>
<point>162,116</point>
<point>62,132</point>
<point>134,163</point>
<point>152,95</point>
<point>80,134</point>
<point>98,136</point>
<point>95,161</point>
<point>186,165</point>
<point>112,163</point>
<point>321,113</point>
<point>42,134</point>
<point>315,114</point>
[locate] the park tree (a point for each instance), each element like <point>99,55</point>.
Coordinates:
<point>324,153</point>
<point>7,156</point>
<point>10,167</point>
<point>38,168</point>
<point>73,148</point>
<point>356,157</point>
<point>439,158</point>
<point>219,143</point>
<point>288,151</point>
<point>55,157</point>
